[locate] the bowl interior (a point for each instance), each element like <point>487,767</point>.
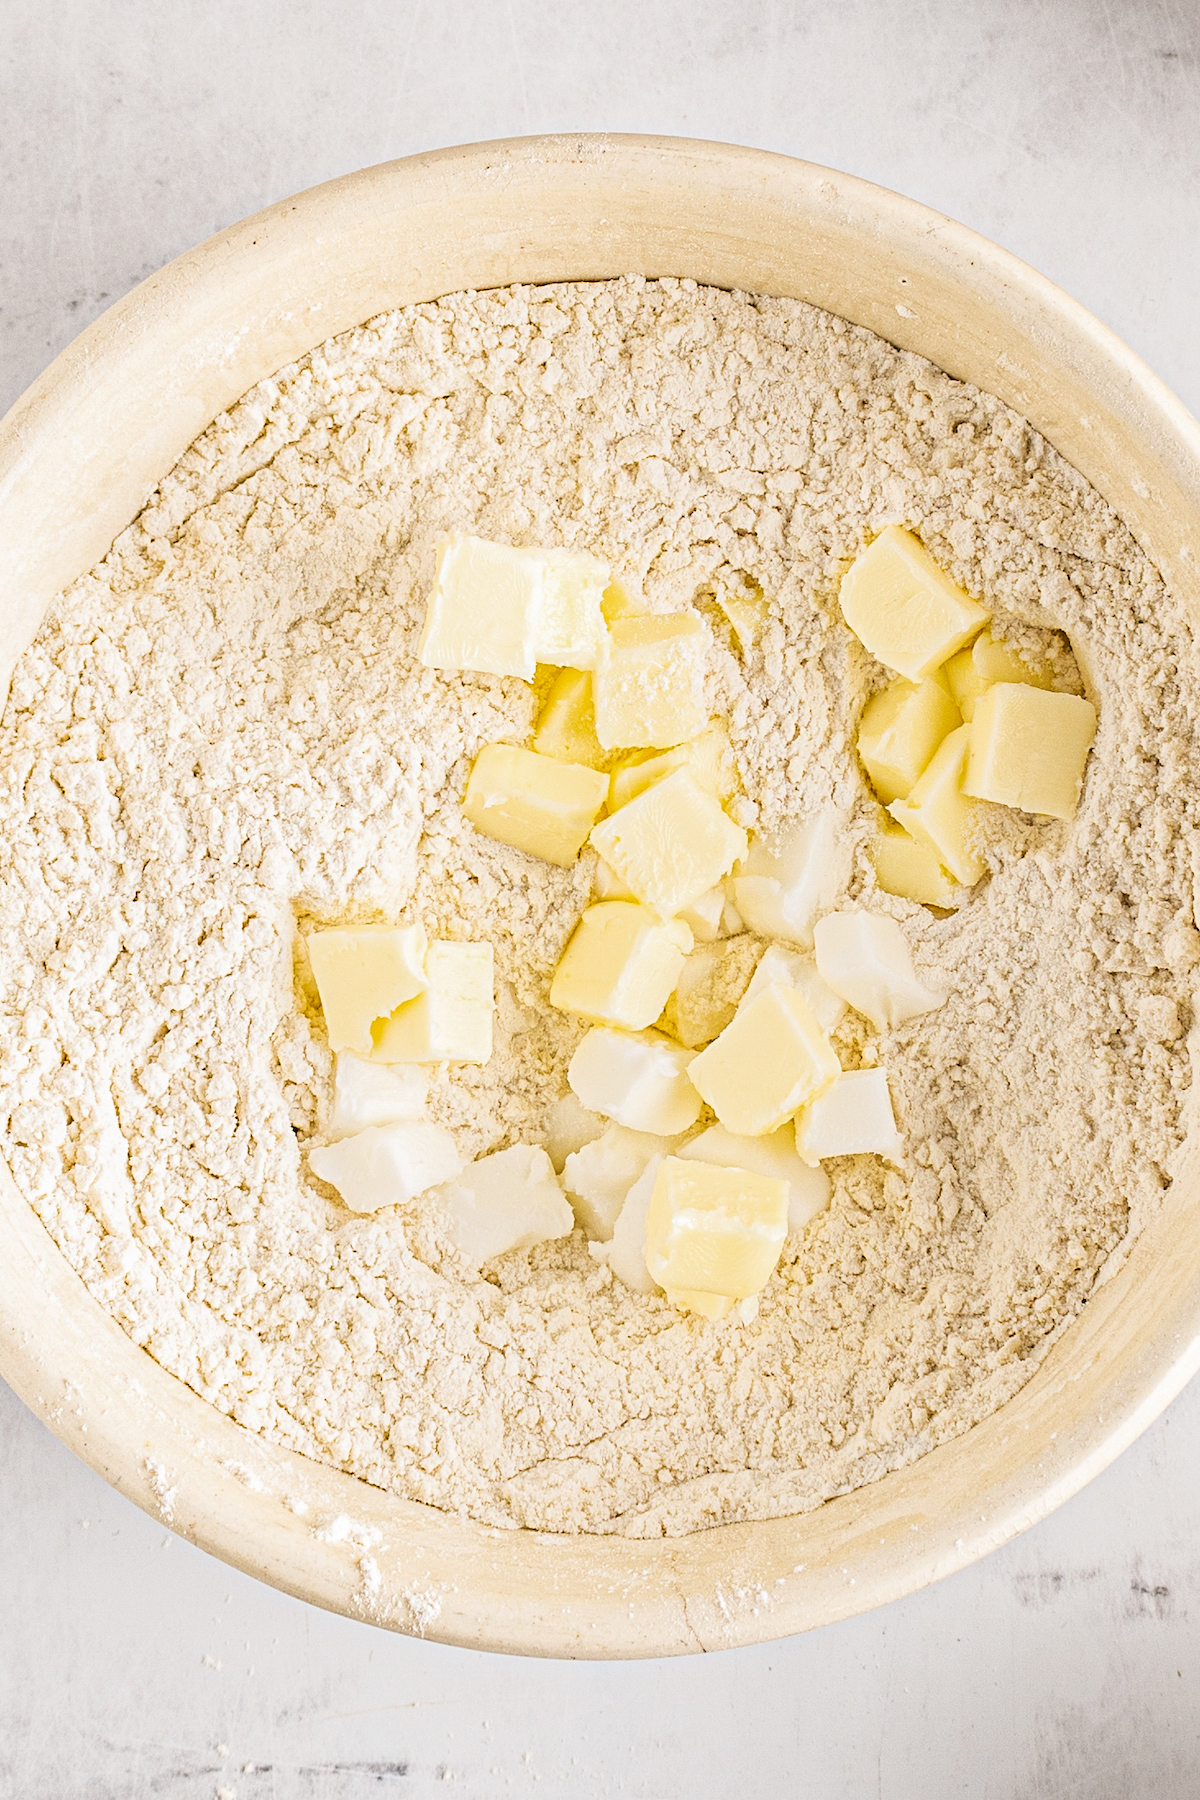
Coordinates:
<point>148,377</point>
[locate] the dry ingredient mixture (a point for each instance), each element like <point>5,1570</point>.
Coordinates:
<point>221,734</point>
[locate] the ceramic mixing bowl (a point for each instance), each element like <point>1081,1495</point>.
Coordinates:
<point>80,453</point>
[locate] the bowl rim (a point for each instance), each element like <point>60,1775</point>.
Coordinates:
<point>150,373</point>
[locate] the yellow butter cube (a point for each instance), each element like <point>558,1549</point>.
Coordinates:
<point>714,1231</point>
<point>621,601</point>
<point>771,1059</point>
<point>484,609</point>
<point>904,608</point>
<point>911,869</point>
<point>938,813</point>
<point>566,726</point>
<point>535,803</point>
<point>901,728</point>
<point>452,1020</point>
<point>365,975</point>
<point>650,692</point>
<point>1028,748</point>
<point>971,672</point>
<point>709,757</point>
<point>671,844</point>
<point>620,965</point>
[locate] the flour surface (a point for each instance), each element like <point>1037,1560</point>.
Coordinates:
<point>222,734</point>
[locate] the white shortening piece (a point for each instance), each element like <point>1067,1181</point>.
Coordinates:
<point>809,1189</point>
<point>851,1118</point>
<point>637,1078</point>
<point>370,1093</point>
<point>865,958</point>
<point>510,1200</point>
<point>385,1165</point>
<point>780,892</point>
<point>625,1252</point>
<point>598,1177</point>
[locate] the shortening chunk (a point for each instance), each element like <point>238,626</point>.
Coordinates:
<point>850,1118</point>
<point>903,608</point>
<point>452,1020</point>
<point>780,967</point>
<point>535,803</point>
<point>713,1231</point>
<point>484,610</point>
<point>901,728</point>
<point>671,844</point>
<point>771,1059</point>
<point>625,1250</point>
<point>620,965</point>
<point>1028,748</point>
<point>865,958</point>
<point>809,1189</point>
<point>709,757</point>
<point>510,1200</point>
<point>971,672</point>
<point>780,888</point>
<point>639,1080</point>
<point>369,1093</point>
<point>363,976</point>
<point>938,813</point>
<point>599,1176</point>
<point>566,725</point>
<point>571,626</point>
<point>386,1165</point>
<point>650,691</point>
<point>913,870</point>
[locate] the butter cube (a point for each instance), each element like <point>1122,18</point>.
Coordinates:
<point>369,1093</point>
<point>387,1165</point>
<point>714,1230</point>
<point>771,1059</point>
<point>484,611</point>
<point>363,976</point>
<point>622,600</point>
<point>913,870</point>
<point>625,1251</point>
<point>938,813</point>
<point>780,891</point>
<point>903,608</point>
<point>569,1126</point>
<point>671,844</point>
<point>599,1176</point>
<point>532,802</point>
<point>641,1081</point>
<point>650,692</point>
<point>620,965</point>
<point>780,967</point>
<point>809,1189</point>
<point>865,958</point>
<point>508,1201</point>
<point>566,725</point>
<point>852,1118</point>
<point>901,728</point>
<point>971,672</point>
<point>1028,748</point>
<point>571,626</point>
<point>452,1020</point>
<point>709,757</point>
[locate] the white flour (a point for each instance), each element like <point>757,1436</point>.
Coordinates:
<point>222,731</point>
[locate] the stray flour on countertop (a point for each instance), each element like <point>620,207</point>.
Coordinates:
<point>222,733</point>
